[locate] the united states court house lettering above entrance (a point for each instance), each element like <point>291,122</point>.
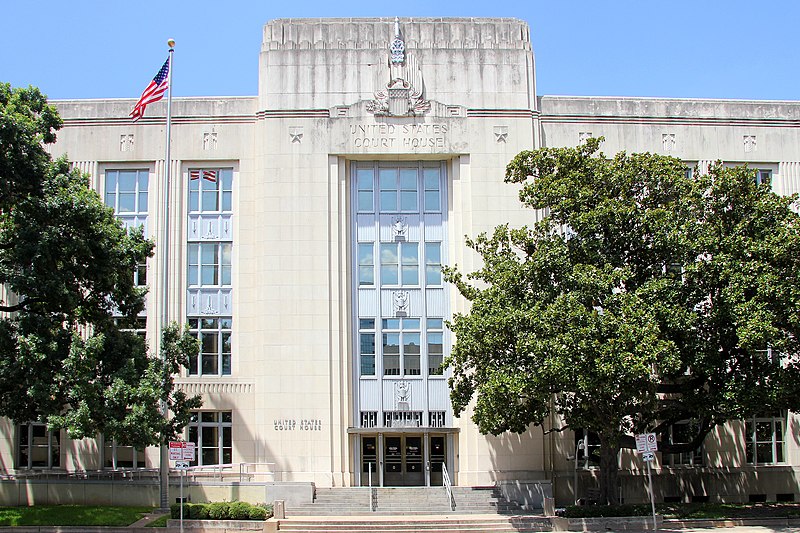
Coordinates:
<point>309,225</point>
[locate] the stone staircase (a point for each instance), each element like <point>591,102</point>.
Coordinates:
<point>465,523</point>
<point>405,501</point>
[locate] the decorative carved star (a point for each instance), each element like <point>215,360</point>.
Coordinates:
<point>296,136</point>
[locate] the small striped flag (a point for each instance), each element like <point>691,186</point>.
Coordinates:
<point>208,175</point>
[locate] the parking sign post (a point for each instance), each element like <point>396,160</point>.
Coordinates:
<point>647,445</point>
<point>183,454</point>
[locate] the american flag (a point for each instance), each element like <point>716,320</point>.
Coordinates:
<point>208,175</point>
<point>153,93</point>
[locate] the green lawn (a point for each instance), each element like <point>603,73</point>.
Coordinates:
<point>159,522</point>
<point>71,515</point>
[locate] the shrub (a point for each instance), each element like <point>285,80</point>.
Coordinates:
<point>239,511</point>
<point>219,511</point>
<point>175,511</point>
<point>257,513</point>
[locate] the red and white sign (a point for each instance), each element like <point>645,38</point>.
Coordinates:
<point>181,451</point>
<point>646,442</point>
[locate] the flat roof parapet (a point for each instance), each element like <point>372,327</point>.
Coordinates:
<point>417,32</point>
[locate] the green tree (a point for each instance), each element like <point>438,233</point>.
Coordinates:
<point>66,270</point>
<point>643,297</point>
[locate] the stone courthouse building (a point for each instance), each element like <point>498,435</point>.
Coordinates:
<point>307,229</point>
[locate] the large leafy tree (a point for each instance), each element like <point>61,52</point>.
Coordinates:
<point>645,296</point>
<point>66,269</point>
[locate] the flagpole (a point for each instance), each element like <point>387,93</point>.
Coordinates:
<point>164,455</point>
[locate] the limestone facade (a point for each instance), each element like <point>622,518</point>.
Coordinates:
<point>288,253</point>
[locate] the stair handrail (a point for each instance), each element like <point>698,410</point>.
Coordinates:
<point>448,487</point>
<point>371,498</point>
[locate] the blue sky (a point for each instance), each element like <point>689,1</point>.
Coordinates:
<point>675,48</point>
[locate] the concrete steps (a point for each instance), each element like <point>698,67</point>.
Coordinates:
<point>405,501</point>
<point>419,524</point>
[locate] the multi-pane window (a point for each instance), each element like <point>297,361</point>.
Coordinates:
<point>400,263</point>
<point>401,346</point>
<point>366,343</point>
<point>763,176</point>
<point>433,263</point>
<point>587,448</point>
<point>126,191</point>
<point>211,432</point>
<point>140,275</point>
<point>38,447</point>
<point>681,433</point>
<point>765,439</point>
<point>398,189</point>
<point>214,334</point>
<point>209,263</point>
<point>210,190</point>
<point>365,194</point>
<point>116,456</point>
<point>366,263</point>
<point>433,189</point>
<point>435,335</point>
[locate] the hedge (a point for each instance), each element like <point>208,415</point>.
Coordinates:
<point>222,511</point>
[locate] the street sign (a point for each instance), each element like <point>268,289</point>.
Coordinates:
<point>648,456</point>
<point>646,442</point>
<point>181,451</point>
<point>182,465</point>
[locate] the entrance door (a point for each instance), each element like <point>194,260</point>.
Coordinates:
<point>403,457</point>
<point>438,457</point>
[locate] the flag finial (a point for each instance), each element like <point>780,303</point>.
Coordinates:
<point>171,43</point>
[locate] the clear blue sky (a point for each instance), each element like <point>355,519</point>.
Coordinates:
<point>675,48</point>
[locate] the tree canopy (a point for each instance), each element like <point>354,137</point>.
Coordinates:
<point>66,268</point>
<point>645,296</point>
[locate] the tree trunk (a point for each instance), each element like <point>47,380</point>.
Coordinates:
<point>609,467</point>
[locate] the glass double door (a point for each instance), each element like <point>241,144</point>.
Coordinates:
<point>404,458</point>
<point>403,461</point>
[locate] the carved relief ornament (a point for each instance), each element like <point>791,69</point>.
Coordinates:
<point>402,94</point>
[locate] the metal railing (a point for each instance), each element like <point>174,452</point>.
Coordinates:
<point>244,472</point>
<point>448,487</point>
<point>371,491</point>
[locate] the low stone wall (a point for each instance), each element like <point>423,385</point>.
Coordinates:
<point>528,494</point>
<point>622,523</point>
<point>217,526</point>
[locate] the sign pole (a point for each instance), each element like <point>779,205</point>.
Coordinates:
<point>652,499</point>
<point>182,471</point>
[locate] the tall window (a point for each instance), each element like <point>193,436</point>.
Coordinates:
<point>435,335</point>
<point>401,346</point>
<point>38,447</point>
<point>433,189</point>
<point>433,263</point>
<point>210,190</point>
<point>214,334</point>
<point>126,191</point>
<point>209,263</point>
<point>366,336</point>
<point>366,263</point>
<point>765,439</point>
<point>211,432</point>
